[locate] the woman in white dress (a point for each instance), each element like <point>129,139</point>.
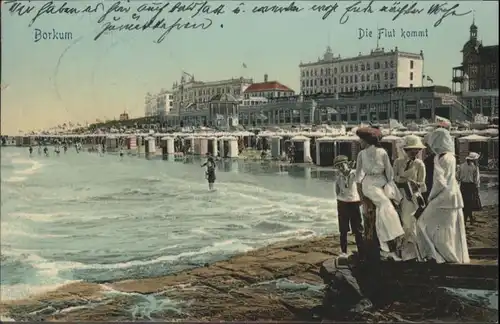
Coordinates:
<point>375,177</point>
<point>409,171</point>
<point>441,229</point>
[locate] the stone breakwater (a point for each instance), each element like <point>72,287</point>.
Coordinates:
<point>279,282</point>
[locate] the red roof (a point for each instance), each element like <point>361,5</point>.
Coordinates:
<point>267,86</point>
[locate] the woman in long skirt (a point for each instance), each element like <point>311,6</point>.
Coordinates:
<point>441,228</point>
<point>375,177</point>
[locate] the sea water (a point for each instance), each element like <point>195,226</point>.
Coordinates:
<point>85,217</point>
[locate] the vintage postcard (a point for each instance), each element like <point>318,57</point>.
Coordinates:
<point>237,161</point>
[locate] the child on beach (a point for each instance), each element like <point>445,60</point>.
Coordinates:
<point>348,203</point>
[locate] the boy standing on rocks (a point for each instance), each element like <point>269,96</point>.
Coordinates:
<point>348,203</point>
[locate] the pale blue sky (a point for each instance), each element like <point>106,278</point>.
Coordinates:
<point>98,79</point>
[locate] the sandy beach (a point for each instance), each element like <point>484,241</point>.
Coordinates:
<point>279,282</point>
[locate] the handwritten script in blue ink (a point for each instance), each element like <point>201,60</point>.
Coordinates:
<point>167,17</point>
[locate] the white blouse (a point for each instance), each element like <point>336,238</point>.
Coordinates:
<point>373,161</point>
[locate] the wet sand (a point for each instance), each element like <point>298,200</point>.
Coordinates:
<point>279,282</point>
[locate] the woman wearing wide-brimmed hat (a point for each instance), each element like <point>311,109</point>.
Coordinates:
<point>441,227</point>
<point>468,176</point>
<point>375,177</point>
<point>409,175</point>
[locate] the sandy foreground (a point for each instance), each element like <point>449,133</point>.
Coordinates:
<point>275,283</point>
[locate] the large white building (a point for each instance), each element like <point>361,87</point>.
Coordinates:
<point>380,69</point>
<point>191,94</point>
<point>160,104</point>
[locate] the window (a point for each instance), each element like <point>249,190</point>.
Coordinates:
<point>392,75</point>
<point>411,85</point>
<point>362,67</point>
<point>367,66</point>
<point>350,78</point>
<point>335,70</point>
<point>342,69</point>
<point>334,80</point>
<point>472,69</point>
<point>351,68</point>
<point>303,84</point>
<point>386,64</point>
<point>341,80</point>
<point>321,72</point>
<point>386,75</point>
<point>392,64</point>
<point>356,79</point>
<point>411,64</point>
<point>362,78</point>
<point>356,68</point>
<point>411,76</point>
<point>367,77</point>
<point>303,74</point>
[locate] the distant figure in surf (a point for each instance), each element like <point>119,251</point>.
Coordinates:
<point>46,151</point>
<point>39,149</point>
<point>121,153</point>
<point>31,150</point>
<point>210,173</point>
<point>65,148</point>
<point>57,150</point>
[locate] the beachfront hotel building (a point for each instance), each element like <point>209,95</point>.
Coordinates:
<point>191,95</point>
<point>483,102</point>
<point>403,104</point>
<point>380,69</point>
<point>158,105</point>
<point>479,68</point>
<point>475,81</point>
<point>268,89</point>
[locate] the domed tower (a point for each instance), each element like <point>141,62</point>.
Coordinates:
<point>470,55</point>
<point>473,44</point>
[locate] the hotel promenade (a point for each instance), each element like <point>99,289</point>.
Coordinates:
<point>403,104</point>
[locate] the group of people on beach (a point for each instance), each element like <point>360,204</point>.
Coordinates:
<point>416,208</point>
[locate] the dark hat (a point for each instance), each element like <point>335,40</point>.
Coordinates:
<point>369,133</point>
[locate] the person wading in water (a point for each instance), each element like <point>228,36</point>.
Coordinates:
<point>210,173</point>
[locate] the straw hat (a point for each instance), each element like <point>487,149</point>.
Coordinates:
<point>413,142</point>
<point>340,159</point>
<point>472,156</point>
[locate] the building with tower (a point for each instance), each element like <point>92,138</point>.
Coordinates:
<point>479,68</point>
<point>476,79</point>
